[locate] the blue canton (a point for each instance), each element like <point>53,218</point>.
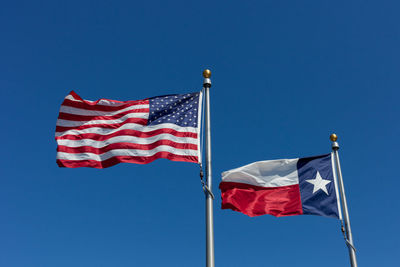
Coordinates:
<point>181,110</point>
<point>319,202</point>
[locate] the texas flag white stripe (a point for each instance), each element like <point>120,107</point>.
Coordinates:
<point>268,173</point>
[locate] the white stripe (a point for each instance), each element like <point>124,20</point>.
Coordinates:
<point>125,152</point>
<point>126,139</point>
<point>71,97</point>
<point>72,123</point>
<point>269,173</point>
<point>336,186</point>
<point>130,126</point>
<point>102,102</point>
<point>86,112</point>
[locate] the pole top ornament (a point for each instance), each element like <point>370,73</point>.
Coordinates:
<point>333,137</point>
<point>207,73</point>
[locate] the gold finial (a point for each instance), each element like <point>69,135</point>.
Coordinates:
<point>333,137</point>
<point>207,73</point>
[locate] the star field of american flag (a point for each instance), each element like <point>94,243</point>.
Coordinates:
<point>181,110</point>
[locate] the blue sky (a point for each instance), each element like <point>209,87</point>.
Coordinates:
<point>286,74</point>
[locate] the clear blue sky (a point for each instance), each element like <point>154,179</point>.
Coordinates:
<point>286,74</point>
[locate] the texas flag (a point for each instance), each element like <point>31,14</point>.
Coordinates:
<point>283,187</point>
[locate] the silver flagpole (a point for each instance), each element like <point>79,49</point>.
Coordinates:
<point>349,235</point>
<point>208,191</point>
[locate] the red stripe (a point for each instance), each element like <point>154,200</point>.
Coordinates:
<point>75,117</point>
<point>99,151</point>
<point>83,104</point>
<point>256,200</point>
<point>128,132</point>
<point>107,126</point>
<point>128,159</point>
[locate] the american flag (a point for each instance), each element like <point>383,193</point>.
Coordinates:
<point>102,133</point>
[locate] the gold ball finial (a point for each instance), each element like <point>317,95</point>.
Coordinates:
<point>333,137</point>
<point>207,73</point>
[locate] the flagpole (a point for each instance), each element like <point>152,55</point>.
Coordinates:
<point>349,235</point>
<point>208,192</point>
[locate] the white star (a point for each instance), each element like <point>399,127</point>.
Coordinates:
<point>319,183</point>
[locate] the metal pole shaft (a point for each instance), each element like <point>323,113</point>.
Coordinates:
<point>209,197</point>
<point>352,252</point>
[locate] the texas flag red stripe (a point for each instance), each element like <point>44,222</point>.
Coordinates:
<point>257,200</point>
